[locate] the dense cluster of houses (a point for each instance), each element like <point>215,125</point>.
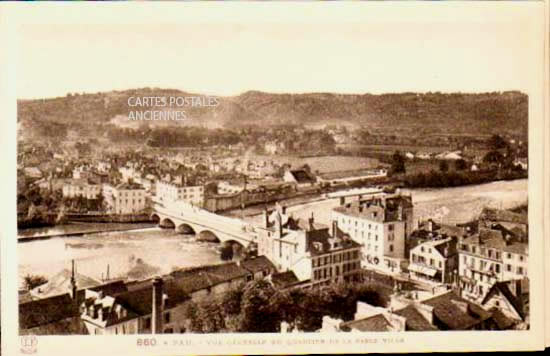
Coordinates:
<point>471,277</point>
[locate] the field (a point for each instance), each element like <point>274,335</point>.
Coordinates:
<point>324,164</point>
<point>390,149</point>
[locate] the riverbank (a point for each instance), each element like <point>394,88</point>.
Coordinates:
<point>77,229</point>
<point>445,205</point>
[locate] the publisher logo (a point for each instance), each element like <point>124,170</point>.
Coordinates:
<point>28,344</point>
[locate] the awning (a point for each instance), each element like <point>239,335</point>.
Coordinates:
<point>422,269</point>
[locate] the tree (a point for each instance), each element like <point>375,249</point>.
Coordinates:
<point>443,166</point>
<point>460,165</point>
<point>493,157</point>
<point>191,313</point>
<point>497,142</point>
<point>259,312</point>
<point>398,163</point>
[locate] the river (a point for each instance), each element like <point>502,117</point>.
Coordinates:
<point>165,249</point>
<point>448,205</point>
<point>120,251</point>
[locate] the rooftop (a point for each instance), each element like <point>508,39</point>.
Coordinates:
<point>376,322</point>
<point>414,320</point>
<point>257,264</point>
<point>456,313</point>
<point>503,215</point>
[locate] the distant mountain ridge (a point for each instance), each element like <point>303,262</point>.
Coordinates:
<point>484,113</point>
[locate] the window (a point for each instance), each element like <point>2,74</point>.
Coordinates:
<point>508,268</point>
<point>391,248</point>
<point>520,270</point>
<point>148,323</point>
<point>390,227</point>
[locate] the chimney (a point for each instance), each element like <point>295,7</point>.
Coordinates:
<point>156,314</point>
<point>73,290</point>
<point>342,201</point>
<point>399,212</point>
<point>265,217</point>
<point>430,225</point>
<point>279,225</point>
<point>283,209</point>
<point>334,228</point>
<point>311,221</point>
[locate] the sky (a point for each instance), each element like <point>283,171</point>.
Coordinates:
<point>228,58</point>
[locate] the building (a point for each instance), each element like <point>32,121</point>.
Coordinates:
<point>87,173</point>
<point>507,221</point>
<point>444,310</point>
<point>156,309</point>
<point>228,188</point>
<point>308,249</point>
<point>369,318</point>
<point>334,178</point>
<point>381,224</point>
<point>300,177</point>
<point>125,198</point>
<point>489,257</point>
<point>60,283</point>
<point>259,267</point>
<point>81,188</point>
<point>434,261</point>
<point>170,192</point>
<point>203,282</point>
<point>511,298</point>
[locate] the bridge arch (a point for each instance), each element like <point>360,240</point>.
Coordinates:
<point>155,218</point>
<point>185,229</point>
<point>167,223</point>
<point>208,235</point>
<point>231,250</point>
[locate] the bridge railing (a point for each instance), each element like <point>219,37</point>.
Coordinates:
<point>193,214</point>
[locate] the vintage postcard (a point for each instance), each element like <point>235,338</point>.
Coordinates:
<point>268,178</point>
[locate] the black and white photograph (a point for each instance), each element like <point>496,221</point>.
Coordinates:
<point>282,177</point>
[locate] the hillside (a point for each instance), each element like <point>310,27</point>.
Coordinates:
<point>485,113</point>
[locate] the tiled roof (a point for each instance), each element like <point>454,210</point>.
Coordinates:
<point>447,309</point>
<point>140,301</point>
<point>69,326</point>
<point>494,239</point>
<point>194,279</point>
<point>374,323</point>
<point>414,320</point>
<point>503,288</point>
<point>257,264</point>
<point>284,279</point>
<point>61,284</point>
<point>128,186</point>
<point>501,320</point>
<point>111,288</point>
<point>503,215</point>
<point>46,311</point>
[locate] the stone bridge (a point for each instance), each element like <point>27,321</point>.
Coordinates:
<point>184,217</point>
